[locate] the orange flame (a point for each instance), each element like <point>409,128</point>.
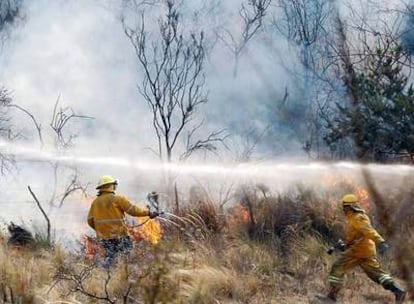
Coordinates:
<point>150,231</point>
<point>364,199</point>
<point>360,191</point>
<point>239,215</point>
<point>92,248</point>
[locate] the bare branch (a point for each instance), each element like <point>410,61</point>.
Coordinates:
<point>207,143</point>
<point>60,118</point>
<point>43,212</point>
<point>73,186</point>
<point>79,283</point>
<point>252,15</point>
<point>252,19</point>
<point>38,126</point>
<point>173,81</point>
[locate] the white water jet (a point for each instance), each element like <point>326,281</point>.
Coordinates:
<point>253,169</point>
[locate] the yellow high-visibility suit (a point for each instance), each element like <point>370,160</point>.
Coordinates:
<point>107,213</point>
<point>361,240</point>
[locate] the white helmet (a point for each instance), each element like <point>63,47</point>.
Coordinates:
<point>106,180</point>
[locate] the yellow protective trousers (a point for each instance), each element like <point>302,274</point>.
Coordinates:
<point>370,266</point>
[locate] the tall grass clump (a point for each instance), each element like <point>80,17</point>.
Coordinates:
<point>281,218</point>
<point>198,218</point>
<point>23,273</point>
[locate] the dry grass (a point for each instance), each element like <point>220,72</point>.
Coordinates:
<point>22,274</point>
<point>268,250</point>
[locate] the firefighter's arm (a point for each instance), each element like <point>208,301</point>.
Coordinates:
<point>131,209</point>
<point>368,231</point>
<point>91,221</point>
<point>371,233</point>
<point>351,248</point>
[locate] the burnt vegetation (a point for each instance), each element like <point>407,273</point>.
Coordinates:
<point>19,236</point>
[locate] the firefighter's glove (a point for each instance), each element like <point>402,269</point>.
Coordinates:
<point>330,250</point>
<point>383,247</point>
<point>153,214</point>
<point>338,246</point>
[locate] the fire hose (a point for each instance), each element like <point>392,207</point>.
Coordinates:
<point>152,198</point>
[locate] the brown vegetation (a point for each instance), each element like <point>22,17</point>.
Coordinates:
<point>267,249</point>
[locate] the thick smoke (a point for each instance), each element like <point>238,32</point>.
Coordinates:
<point>76,52</point>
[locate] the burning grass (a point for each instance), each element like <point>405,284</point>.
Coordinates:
<point>267,248</point>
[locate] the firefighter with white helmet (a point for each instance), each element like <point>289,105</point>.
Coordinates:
<point>107,217</point>
<point>360,250</point>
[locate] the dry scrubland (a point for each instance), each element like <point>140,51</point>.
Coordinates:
<point>268,249</point>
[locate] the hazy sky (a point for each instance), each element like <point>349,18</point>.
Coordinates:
<point>77,50</point>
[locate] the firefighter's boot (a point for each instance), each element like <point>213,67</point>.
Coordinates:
<point>397,291</point>
<point>333,293</point>
<point>331,296</point>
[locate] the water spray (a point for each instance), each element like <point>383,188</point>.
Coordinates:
<point>263,169</point>
<point>153,198</point>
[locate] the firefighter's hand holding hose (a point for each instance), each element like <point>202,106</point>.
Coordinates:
<point>152,197</point>
<point>338,246</point>
<point>153,214</point>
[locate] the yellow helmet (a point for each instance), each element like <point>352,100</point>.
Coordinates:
<point>349,200</point>
<point>106,180</point>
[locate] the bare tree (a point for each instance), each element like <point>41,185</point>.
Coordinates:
<point>252,15</point>
<point>60,121</point>
<point>173,84</point>
<point>61,118</point>
<point>305,25</point>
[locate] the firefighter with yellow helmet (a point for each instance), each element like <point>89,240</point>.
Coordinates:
<point>107,217</point>
<point>360,250</point>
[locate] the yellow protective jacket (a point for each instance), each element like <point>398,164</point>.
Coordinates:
<point>361,237</point>
<point>107,215</point>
